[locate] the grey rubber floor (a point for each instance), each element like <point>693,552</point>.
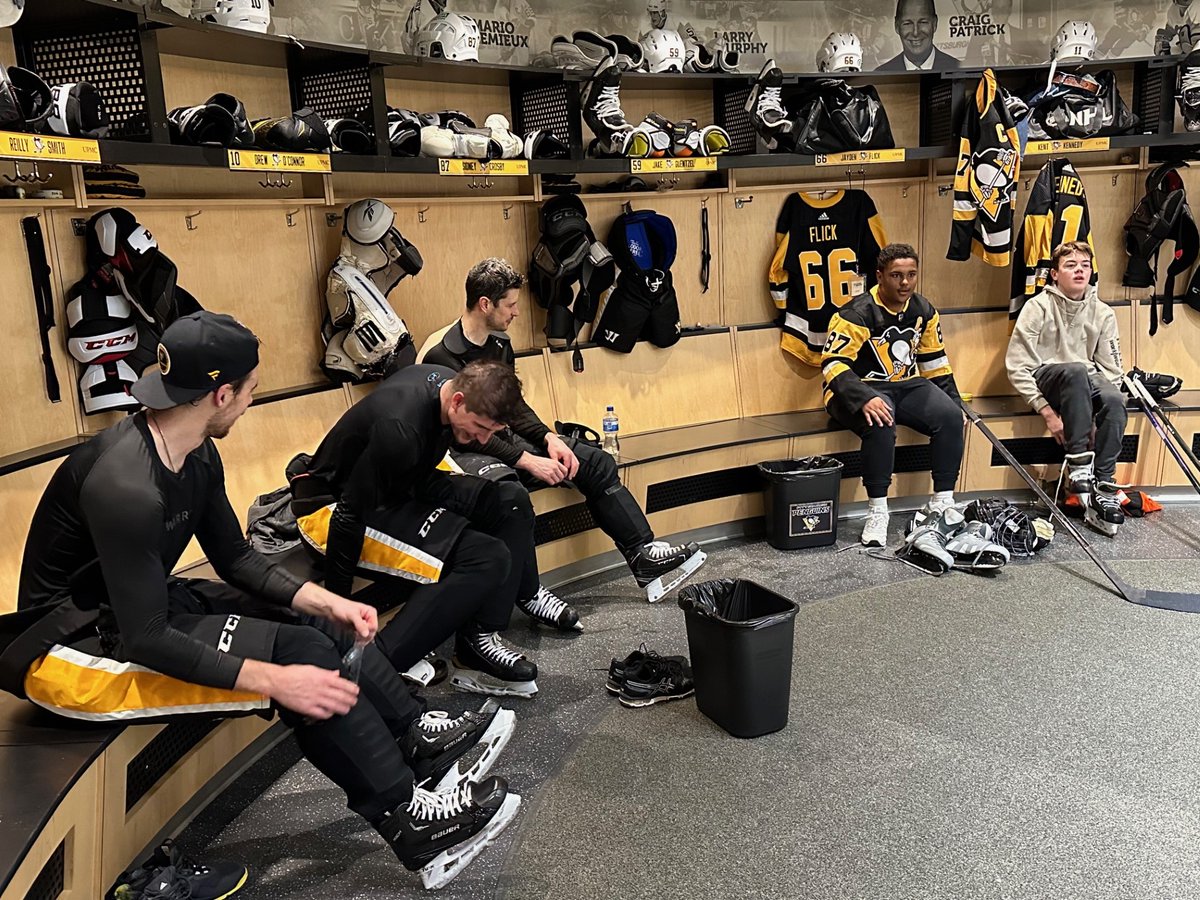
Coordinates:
<point>1030,735</point>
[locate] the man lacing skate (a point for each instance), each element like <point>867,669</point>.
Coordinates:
<point>1064,359</point>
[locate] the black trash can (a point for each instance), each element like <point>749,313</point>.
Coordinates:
<point>740,640</point>
<point>801,501</point>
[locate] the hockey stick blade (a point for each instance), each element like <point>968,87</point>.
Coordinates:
<point>1179,602</point>
<point>1160,423</point>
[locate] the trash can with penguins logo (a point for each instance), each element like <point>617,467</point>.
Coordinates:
<point>801,501</point>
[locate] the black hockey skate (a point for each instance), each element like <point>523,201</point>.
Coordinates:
<point>765,105</point>
<point>439,834</point>
<point>484,664</point>
<point>660,567</point>
<point>1102,508</point>
<point>603,114</point>
<point>1080,474</point>
<point>435,744</point>
<point>547,609</point>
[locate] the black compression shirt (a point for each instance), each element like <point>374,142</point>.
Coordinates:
<point>379,454</point>
<point>111,527</point>
<point>455,350</point>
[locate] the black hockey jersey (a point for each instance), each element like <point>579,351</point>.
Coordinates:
<point>867,342</point>
<point>1057,211</point>
<point>985,180</point>
<point>825,255</point>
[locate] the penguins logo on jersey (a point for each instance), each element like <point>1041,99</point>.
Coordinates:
<point>993,171</point>
<point>894,353</point>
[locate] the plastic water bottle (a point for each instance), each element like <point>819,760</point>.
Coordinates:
<point>611,427</point>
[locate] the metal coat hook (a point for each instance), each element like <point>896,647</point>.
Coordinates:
<point>291,222</point>
<point>473,185</point>
<point>37,176</point>
<point>188,219</point>
<point>944,189</point>
<point>421,215</point>
<point>331,219</point>
<point>904,193</point>
<point>739,202</point>
<point>1114,180</point>
<point>487,183</point>
<point>506,212</point>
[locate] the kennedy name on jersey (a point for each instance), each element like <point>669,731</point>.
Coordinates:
<point>495,33</point>
<point>976,26</point>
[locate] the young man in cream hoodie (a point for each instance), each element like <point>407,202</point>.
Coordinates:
<point>1064,359</point>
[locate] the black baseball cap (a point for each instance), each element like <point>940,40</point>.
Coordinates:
<point>197,354</point>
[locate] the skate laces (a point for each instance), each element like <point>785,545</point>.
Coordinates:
<point>544,604</point>
<point>494,649</point>
<point>608,103</point>
<point>439,720</point>
<point>430,806</point>
<point>770,99</point>
<point>657,550</point>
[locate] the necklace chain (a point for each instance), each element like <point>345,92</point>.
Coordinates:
<point>162,438</point>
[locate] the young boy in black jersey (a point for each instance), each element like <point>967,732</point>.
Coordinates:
<point>104,633</point>
<point>885,364</point>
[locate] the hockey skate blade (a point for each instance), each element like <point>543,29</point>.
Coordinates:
<point>447,865</point>
<point>658,588</point>
<point>1093,521</point>
<point>493,741</point>
<point>470,681</point>
<point>421,673</point>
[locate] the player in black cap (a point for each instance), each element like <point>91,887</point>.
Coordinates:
<point>103,633</point>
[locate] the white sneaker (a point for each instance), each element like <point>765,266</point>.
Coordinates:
<point>937,505</point>
<point>875,532</point>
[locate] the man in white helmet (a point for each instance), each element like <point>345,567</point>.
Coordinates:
<point>916,23</point>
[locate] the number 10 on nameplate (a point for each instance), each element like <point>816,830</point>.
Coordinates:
<point>273,161</point>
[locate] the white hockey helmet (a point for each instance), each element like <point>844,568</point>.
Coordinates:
<point>372,243</point>
<point>663,50</point>
<point>449,35</point>
<point>841,52</point>
<point>250,15</point>
<point>1075,42</point>
<point>10,11</point>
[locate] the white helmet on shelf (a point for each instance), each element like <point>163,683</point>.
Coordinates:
<point>250,15</point>
<point>449,35</point>
<point>841,52</point>
<point>1075,42</point>
<point>663,50</point>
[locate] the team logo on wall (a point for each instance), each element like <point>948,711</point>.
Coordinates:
<point>894,351</point>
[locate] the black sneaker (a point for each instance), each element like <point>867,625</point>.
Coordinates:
<point>619,667</point>
<point>484,664</point>
<point>547,609</point>
<point>660,567</point>
<point>657,679</point>
<point>167,872</point>
<point>434,744</point>
<point>440,833</point>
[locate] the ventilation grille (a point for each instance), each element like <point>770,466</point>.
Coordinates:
<point>698,488</point>
<point>543,107</point>
<point>562,523</point>
<point>732,116</point>
<point>334,95</point>
<point>938,121</point>
<point>1045,450</point>
<point>1149,101</point>
<point>51,880</point>
<point>109,60</point>
<point>171,745</point>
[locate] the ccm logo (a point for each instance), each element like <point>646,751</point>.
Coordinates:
<point>226,640</point>
<point>433,517</point>
<point>110,342</point>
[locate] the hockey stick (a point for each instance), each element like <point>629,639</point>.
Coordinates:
<point>1154,413</point>
<point>1141,596</point>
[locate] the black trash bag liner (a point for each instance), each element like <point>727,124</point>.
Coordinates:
<point>737,602</point>
<point>796,469</point>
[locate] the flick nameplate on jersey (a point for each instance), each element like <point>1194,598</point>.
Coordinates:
<point>1083,145</point>
<point>477,167</point>
<point>670,164</point>
<point>860,156</point>
<point>48,147</point>
<point>271,161</point>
